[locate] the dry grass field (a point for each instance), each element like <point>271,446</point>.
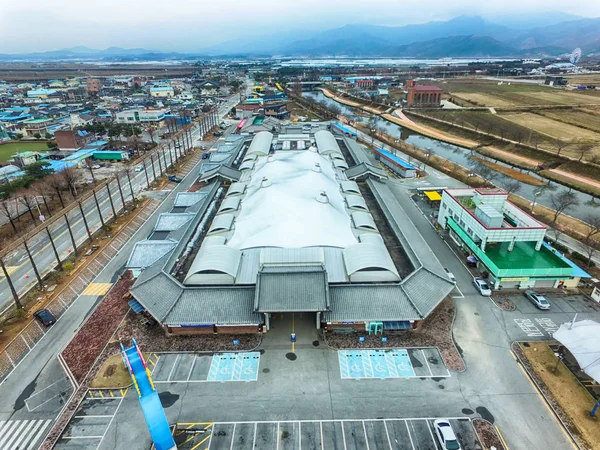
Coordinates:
<point>484,99</point>
<point>578,117</point>
<point>553,128</point>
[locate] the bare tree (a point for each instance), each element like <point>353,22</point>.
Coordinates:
<point>89,166</point>
<point>56,183</point>
<point>591,243</point>
<point>519,134</point>
<point>70,178</point>
<point>42,190</point>
<point>511,186</point>
<point>485,172</point>
<point>561,201</point>
<point>6,211</point>
<point>26,197</point>
<point>583,148</point>
<point>559,145</point>
<point>152,130</point>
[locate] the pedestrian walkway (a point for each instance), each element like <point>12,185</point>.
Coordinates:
<point>97,289</point>
<point>21,434</point>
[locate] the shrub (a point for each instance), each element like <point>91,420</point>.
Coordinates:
<point>20,313</point>
<point>68,266</point>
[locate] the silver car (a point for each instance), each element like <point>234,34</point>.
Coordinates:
<point>538,300</point>
<point>482,286</point>
<point>445,435</point>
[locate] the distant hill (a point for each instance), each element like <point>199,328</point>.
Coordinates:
<point>79,52</point>
<point>584,33</point>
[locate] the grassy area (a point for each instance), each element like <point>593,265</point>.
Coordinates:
<point>113,374</point>
<point>566,391</point>
<point>7,150</point>
<point>487,93</point>
<point>551,127</point>
<point>520,176</point>
<point>579,117</point>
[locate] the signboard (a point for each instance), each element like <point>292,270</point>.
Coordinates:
<point>515,279</point>
<point>596,294</point>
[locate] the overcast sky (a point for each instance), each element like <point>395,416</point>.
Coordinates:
<point>192,25</point>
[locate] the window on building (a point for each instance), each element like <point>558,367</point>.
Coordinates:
<point>443,206</point>
<point>456,217</point>
<point>470,232</point>
<point>462,223</point>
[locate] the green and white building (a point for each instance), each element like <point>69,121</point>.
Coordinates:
<point>507,242</point>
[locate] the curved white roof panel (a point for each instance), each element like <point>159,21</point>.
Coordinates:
<point>236,189</point>
<point>339,163</point>
<point>363,221</point>
<point>326,143</point>
<point>222,222</point>
<point>261,144</point>
<point>214,259</point>
<point>230,204</point>
<point>356,202</point>
<point>247,165</point>
<point>250,158</point>
<point>213,240</point>
<point>286,213</point>
<point>371,238</point>
<point>350,187</point>
<point>368,257</point>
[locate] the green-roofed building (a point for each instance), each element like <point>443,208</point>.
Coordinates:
<point>506,242</point>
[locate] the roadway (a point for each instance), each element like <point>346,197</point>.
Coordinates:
<point>17,262</point>
<point>36,390</point>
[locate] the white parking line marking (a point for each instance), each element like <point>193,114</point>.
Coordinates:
<point>412,444</point>
<point>431,432</point>
<point>426,362</point>
<point>277,435</point>
<point>460,292</point>
<point>387,433</point>
<point>47,387</point>
<point>343,436</point>
<point>173,367</point>
<point>232,437</point>
<point>254,438</point>
<point>321,428</point>
<point>192,367</point>
<point>366,437</point>
<point>300,435</point>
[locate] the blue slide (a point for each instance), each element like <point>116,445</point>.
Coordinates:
<point>151,406</point>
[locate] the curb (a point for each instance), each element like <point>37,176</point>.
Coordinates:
<point>496,430</point>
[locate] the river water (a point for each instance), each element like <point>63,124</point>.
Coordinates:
<point>461,155</point>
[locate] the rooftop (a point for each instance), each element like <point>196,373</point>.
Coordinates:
<point>523,256</point>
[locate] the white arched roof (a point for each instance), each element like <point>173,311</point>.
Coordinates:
<point>250,158</point>
<point>371,238</point>
<point>213,240</point>
<point>215,259</point>
<point>261,144</point>
<point>247,165</point>
<point>363,221</point>
<point>339,163</point>
<point>222,222</point>
<point>356,202</point>
<point>229,204</point>
<point>350,187</point>
<point>326,143</point>
<point>236,189</point>
<point>365,256</point>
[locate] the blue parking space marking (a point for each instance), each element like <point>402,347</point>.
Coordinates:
<point>364,364</point>
<point>234,367</point>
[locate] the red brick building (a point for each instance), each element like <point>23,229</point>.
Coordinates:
<point>423,95</point>
<point>73,140</point>
<point>364,83</point>
<point>93,85</point>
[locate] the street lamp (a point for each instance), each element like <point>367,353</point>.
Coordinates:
<point>536,194</point>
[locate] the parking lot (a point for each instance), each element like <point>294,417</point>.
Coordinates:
<point>388,434</point>
<point>392,363</point>
<point>569,304</point>
<point>199,368</point>
<point>90,423</point>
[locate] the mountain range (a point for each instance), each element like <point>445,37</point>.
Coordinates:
<point>463,36</point>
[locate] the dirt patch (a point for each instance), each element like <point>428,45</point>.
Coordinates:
<point>551,127</point>
<point>153,338</point>
<point>88,343</point>
<point>504,303</point>
<point>520,176</point>
<point>569,399</point>
<point>436,331</point>
<point>112,374</point>
<point>488,435</point>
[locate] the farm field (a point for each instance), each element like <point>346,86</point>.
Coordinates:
<point>577,117</point>
<point>7,150</point>
<point>484,99</point>
<point>551,127</point>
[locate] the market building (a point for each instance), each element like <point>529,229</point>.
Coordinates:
<point>280,226</point>
<point>507,243</point>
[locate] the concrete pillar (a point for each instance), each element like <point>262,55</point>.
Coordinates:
<point>267,321</point>
<point>318,320</point>
<point>538,245</point>
<point>482,246</point>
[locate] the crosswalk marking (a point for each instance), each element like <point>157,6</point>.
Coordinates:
<point>97,289</point>
<point>21,434</point>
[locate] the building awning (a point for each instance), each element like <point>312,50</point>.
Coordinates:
<point>136,306</point>
<point>433,196</point>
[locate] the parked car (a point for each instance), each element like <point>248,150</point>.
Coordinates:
<point>218,133</point>
<point>482,286</point>
<point>139,168</point>
<point>175,179</point>
<point>445,435</point>
<point>538,300</point>
<point>44,317</point>
<point>205,155</point>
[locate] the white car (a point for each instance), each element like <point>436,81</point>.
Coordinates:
<point>139,168</point>
<point>445,435</point>
<point>482,286</point>
<point>538,300</point>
